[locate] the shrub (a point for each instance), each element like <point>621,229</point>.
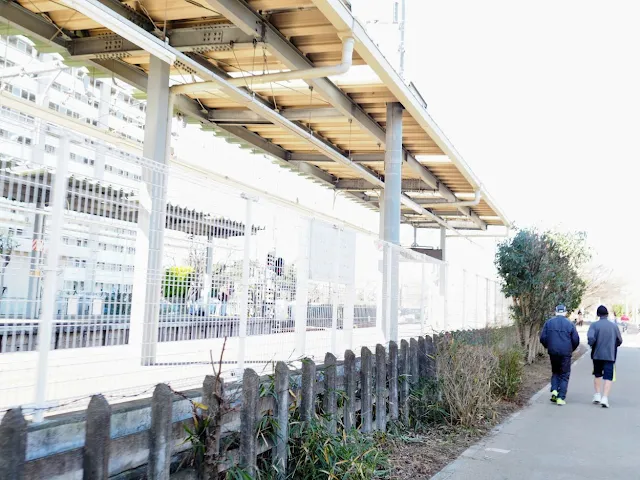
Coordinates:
<point>465,373</point>
<point>508,376</point>
<point>425,406</point>
<point>316,453</point>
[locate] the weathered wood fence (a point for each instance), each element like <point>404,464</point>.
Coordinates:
<point>375,390</point>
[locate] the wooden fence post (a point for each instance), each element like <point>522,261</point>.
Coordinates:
<point>213,399</point>
<point>95,463</point>
<point>248,418</point>
<point>431,357</point>
<point>13,445</point>
<point>423,365</point>
<point>366,372</point>
<point>393,380</point>
<point>307,400</point>
<point>160,433</point>
<point>330,394</point>
<point>282,417</point>
<point>404,381</point>
<point>381,388</point>
<point>350,390</point>
<point>413,361</point>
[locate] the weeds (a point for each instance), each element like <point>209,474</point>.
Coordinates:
<point>316,453</point>
<point>508,374</point>
<point>425,406</point>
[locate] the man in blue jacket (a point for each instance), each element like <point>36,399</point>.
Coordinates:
<point>560,337</point>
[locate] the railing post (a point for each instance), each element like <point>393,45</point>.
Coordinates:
<point>302,287</point>
<point>244,287</point>
<point>13,445</point>
<point>423,288</point>
<point>160,433</point>
<point>282,416</point>
<point>248,419</point>
<point>413,361</point>
<point>350,390</point>
<point>366,403</point>
<point>213,398</point>
<point>403,366</point>
<point>95,465</point>
<point>423,365</point>
<point>393,380</point>
<point>48,317</point>
<point>307,394</point>
<point>330,393</point>
<point>381,389</point>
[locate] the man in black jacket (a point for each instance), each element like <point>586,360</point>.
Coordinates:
<point>560,337</point>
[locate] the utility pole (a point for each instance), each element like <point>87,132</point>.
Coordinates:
<point>401,25</point>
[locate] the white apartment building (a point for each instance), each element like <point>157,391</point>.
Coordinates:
<point>97,258</point>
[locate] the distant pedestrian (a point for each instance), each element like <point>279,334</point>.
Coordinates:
<point>560,337</point>
<point>604,338</point>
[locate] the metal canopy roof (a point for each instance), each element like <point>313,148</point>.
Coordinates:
<point>231,38</point>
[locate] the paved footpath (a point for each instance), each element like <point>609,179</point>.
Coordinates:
<point>576,441</point>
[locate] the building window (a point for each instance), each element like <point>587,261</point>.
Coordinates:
<point>50,149</point>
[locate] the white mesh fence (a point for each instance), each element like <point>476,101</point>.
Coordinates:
<point>137,273</point>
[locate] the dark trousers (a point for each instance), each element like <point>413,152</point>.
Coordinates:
<point>560,372</point>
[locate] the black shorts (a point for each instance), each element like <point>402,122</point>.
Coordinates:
<point>603,368</point>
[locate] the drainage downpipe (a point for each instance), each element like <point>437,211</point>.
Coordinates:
<point>304,74</point>
<point>466,203</point>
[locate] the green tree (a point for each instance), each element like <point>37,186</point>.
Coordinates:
<point>539,271</point>
<point>618,310</point>
<point>176,282</point>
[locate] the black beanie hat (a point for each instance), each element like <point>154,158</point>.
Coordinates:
<point>602,311</point>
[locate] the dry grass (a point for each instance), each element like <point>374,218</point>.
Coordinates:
<point>420,456</point>
<point>465,374</point>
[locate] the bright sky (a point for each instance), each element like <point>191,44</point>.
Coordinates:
<point>542,101</point>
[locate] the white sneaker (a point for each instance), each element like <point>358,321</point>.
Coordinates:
<point>604,402</point>
<point>597,398</point>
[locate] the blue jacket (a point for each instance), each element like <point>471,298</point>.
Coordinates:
<point>559,336</point>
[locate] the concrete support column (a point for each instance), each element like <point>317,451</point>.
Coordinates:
<point>444,280</point>
<point>244,287</point>
<point>391,218</point>
<point>145,311</point>
<point>381,208</point>
<point>302,286</point>
<point>48,318</point>
<point>98,175</point>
